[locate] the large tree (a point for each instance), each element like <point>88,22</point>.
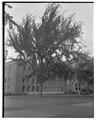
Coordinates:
<point>54,38</point>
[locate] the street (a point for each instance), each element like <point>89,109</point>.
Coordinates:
<point>49,106</point>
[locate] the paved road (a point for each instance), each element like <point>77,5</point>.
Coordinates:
<point>49,106</point>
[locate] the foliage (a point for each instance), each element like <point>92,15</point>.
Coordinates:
<point>85,68</point>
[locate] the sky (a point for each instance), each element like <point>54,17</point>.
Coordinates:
<point>83,12</point>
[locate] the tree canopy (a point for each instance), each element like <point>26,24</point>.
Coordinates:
<point>85,69</point>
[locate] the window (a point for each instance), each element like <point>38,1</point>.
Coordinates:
<point>37,88</point>
<point>23,88</point>
<point>33,88</point>
<point>9,69</point>
<point>76,86</point>
<point>5,80</point>
<point>9,79</point>
<point>6,68</point>
<point>28,88</point>
<point>33,79</point>
<point>29,68</point>
<point>62,89</point>
<point>23,80</point>
<point>24,69</point>
<point>37,82</point>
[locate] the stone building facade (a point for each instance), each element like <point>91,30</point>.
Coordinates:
<point>15,82</point>
<point>13,77</point>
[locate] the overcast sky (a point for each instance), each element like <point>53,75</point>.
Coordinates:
<point>84,13</point>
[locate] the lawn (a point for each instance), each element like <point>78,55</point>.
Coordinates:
<point>49,106</point>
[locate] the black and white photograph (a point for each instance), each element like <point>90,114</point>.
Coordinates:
<point>48,59</point>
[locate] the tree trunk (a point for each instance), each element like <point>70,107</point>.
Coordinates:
<point>78,91</point>
<point>41,75</point>
<point>65,87</point>
<point>41,87</point>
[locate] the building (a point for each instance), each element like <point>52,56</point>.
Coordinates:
<point>15,82</point>
<point>13,77</point>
